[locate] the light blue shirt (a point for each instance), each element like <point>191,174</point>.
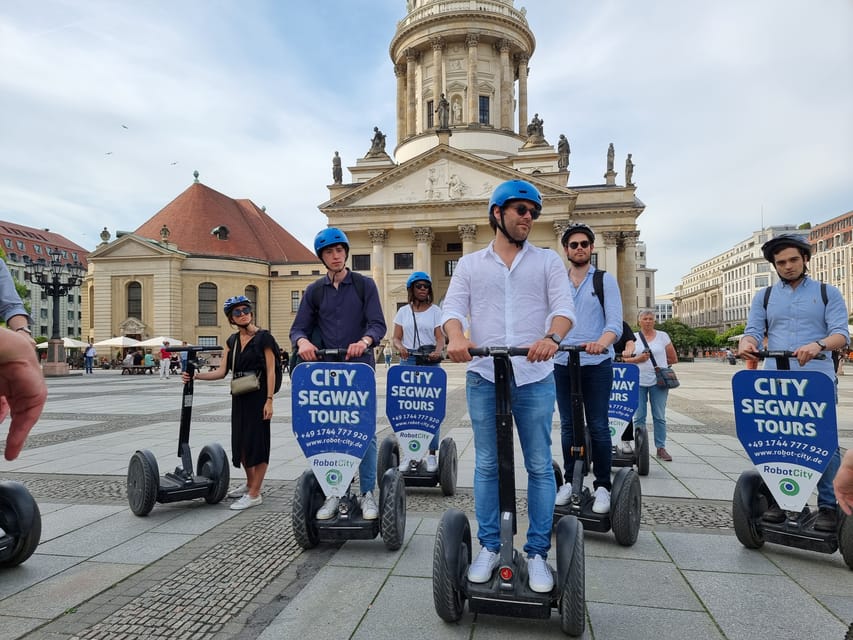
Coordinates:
<point>10,302</point>
<point>509,306</point>
<point>592,319</point>
<point>797,317</point>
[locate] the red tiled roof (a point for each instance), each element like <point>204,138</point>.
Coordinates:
<point>194,214</point>
<point>31,238</point>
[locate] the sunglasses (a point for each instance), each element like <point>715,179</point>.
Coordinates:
<point>421,285</point>
<point>522,210</point>
<point>583,244</point>
<point>242,311</point>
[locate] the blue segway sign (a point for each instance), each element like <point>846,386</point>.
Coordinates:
<point>786,423</point>
<point>624,398</point>
<point>415,402</point>
<point>334,419</point>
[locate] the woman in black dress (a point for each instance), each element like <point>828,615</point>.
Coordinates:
<point>248,351</point>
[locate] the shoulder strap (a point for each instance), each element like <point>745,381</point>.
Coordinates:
<point>651,355</point>
<point>598,285</point>
<point>823,295</point>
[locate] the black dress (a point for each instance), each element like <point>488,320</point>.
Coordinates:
<point>250,433</point>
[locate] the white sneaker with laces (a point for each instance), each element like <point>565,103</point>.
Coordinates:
<point>239,492</point>
<point>539,575</point>
<point>404,466</point>
<point>431,463</point>
<point>329,508</point>
<point>484,564</point>
<point>369,511</point>
<point>627,447</point>
<point>564,494</point>
<point>602,501</point>
<point>247,501</point>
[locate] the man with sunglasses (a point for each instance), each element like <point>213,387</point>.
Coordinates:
<point>598,327</point>
<point>515,294</point>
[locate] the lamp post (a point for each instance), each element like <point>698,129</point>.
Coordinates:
<point>57,279</point>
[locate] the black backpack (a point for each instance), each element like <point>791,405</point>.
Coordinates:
<point>276,354</point>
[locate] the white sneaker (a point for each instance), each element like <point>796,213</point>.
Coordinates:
<point>627,447</point>
<point>602,501</point>
<point>539,575</point>
<point>368,506</point>
<point>431,463</point>
<point>484,564</point>
<point>329,508</point>
<point>247,501</point>
<point>564,494</point>
<point>239,492</point>
<point>404,466</point>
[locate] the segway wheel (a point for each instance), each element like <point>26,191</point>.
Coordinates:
<point>641,450</point>
<point>307,499</point>
<point>845,539</point>
<point>213,465</point>
<point>627,507</point>
<point>570,570</point>
<point>392,504</point>
<point>451,558</point>
<point>143,480</point>
<point>388,457</point>
<point>448,463</point>
<point>748,503</point>
<point>20,519</point>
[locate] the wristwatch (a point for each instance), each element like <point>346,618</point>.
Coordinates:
<point>367,341</point>
<point>556,337</point>
<point>25,330</point>
<point>821,344</point>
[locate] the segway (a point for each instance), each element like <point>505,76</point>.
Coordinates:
<point>210,481</point>
<point>20,524</point>
<point>786,423</point>
<point>416,400</point>
<point>507,593</point>
<point>625,494</point>
<point>334,419</point>
<point>624,398</point>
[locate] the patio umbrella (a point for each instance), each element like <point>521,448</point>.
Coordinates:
<point>68,343</point>
<point>159,340</point>
<point>118,341</point>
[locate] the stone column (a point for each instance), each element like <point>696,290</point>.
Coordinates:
<point>628,271</point>
<point>506,87</point>
<point>437,77</point>
<point>377,261</point>
<point>411,111</point>
<point>423,252</point>
<point>609,244</point>
<point>468,233</point>
<point>473,41</point>
<point>560,225</point>
<point>400,72</point>
<point>521,60</point>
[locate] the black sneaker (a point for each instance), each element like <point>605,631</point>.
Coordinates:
<point>827,519</point>
<point>774,514</point>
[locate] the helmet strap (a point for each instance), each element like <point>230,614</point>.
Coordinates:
<point>500,225</point>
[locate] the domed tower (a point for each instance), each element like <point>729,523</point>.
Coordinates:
<point>472,53</point>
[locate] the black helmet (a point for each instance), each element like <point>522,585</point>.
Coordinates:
<point>578,227</point>
<point>775,245</point>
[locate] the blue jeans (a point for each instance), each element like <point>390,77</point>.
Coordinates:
<point>657,397</point>
<point>412,361</point>
<point>596,384</point>
<point>367,468</point>
<point>825,492</point>
<point>533,409</point>
<point>89,361</point>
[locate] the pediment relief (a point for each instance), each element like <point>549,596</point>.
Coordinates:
<point>132,326</point>
<point>131,246</point>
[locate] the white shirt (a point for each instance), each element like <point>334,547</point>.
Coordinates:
<point>427,322</point>
<point>658,349</point>
<point>509,307</point>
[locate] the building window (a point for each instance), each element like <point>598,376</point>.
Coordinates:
<point>207,312</point>
<point>134,300</point>
<point>450,267</point>
<point>295,298</point>
<point>404,260</point>
<point>251,292</point>
<point>295,272</point>
<point>71,298</point>
<point>8,242</point>
<point>43,313</point>
<point>37,248</point>
<point>484,110</point>
<point>315,272</point>
<point>361,262</point>
<point>454,247</point>
<point>208,341</point>
<point>593,260</point>
<point>20,245</point>
<point>430,114</point>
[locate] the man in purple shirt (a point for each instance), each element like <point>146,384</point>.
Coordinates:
<point>341,310</point>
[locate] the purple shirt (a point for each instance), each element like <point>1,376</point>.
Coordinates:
<point>342,317</point>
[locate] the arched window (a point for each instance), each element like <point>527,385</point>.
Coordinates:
<point>251,292</point>
<point>134,300</point>
<point>207,304</point>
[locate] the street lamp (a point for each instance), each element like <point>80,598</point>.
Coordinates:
<point>57,279</point>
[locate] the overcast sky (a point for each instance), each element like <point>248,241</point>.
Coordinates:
<point>736,112</point>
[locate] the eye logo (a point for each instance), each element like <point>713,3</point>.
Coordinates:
<point>414,446</point>
<point>333,477</point>
<point>612,431</point>
<point>789,487</point>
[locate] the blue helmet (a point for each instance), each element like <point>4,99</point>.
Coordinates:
<point>512,190</point>
<point>329,237</point>
<point>418,276</point>
<point>236,301</point>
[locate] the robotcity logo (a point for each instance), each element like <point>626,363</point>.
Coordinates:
<point>414,446</point>
<point>333,477</point>
<point>789,486</point>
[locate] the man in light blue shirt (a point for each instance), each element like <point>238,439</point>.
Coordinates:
<point>798,319</point>
<point>599,325</point>
<point>517,295</point>
<point>12,309</point>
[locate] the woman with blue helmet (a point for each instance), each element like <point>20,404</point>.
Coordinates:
<point>419,338</point>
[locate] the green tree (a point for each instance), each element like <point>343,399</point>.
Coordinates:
<point>683,337</point>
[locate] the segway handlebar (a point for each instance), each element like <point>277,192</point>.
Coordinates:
<point>519,351</point>
<point>766,353</point>
<point>331,355</point>
<point>193,348</point>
